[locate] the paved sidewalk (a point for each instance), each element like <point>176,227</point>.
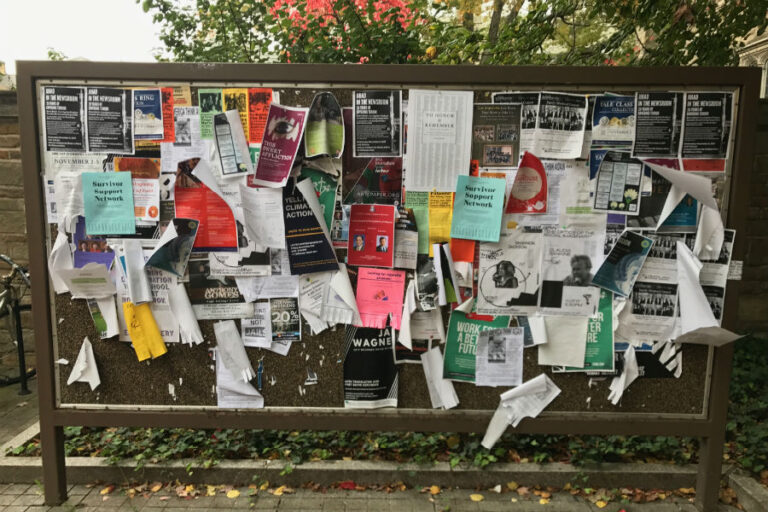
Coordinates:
<point>25,498</point>
<point>16,412</point>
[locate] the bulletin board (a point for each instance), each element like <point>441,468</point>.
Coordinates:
<point>137,394</point>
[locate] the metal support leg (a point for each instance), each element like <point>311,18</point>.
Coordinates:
<point>20,347</point>
<point>54,476</point>
<point>710,470</point>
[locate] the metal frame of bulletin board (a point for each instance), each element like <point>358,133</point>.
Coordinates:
<point>709,425</point>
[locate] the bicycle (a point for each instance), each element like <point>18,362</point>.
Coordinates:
<point>13,287</point>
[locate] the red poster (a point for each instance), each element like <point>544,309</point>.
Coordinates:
<point>218,230</point>
<point>529,190</point>
<point>169,130</point>
<point>371,235</point>
<point>258,108</point>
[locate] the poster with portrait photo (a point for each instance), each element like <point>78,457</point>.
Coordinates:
<point>371,235</point>
<point>509,274</point>
<point>569,260</point>
<point>529,107</point>
<point>496,134</point>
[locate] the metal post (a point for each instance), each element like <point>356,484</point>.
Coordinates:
<point>54,469</point>
<point>20,346</point>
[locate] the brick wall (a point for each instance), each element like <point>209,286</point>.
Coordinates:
<point>753,305</point>
<point>13,239</point>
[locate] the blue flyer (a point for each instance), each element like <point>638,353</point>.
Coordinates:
<point>613,120</point>
<point>622,265</point>
<point>148,114</point>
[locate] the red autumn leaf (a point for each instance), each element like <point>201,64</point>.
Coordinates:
<point>347,485</point>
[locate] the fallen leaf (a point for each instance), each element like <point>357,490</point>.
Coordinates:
<point>687,490</point>
<point>279,491</point>
<point>210,490</point>
<point>546,494</point>
<point>496,489</point>
<point>156,487</point>
<point>543,501</point>
<point>513,500</point>
<point>452,442</point>
<point>234,493</point>
<point>164,498</point>
<point>601,504</point>
<point>264,486</point>
<point>107,490</point>
<point>435,489</point>
<point>523,491</point>
<point>347,485</point>
<point>512,486</point>
<point>476,497</point>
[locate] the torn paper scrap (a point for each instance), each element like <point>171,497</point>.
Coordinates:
<point>109,314</point>
<point>231,350</point>
<point>84,369</point>
<point>441,391</point>
<point>409,307</point>
<point>340,305</point>
<point>698,322</point>
<point>189,329</point>
<point>263,212</point>
<point>566,341</point>
<point>174,247</point>
<point>526,400</point>
<point>628,375</point>
<point>60,259</point>
<point>312,292</point>
<point>143,331</point>
<point>131,255</point>
<point>232,393</point>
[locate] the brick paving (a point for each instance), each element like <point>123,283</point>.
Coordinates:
<point>16,412</point>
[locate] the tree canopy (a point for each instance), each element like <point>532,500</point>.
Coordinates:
<point>499,32</point>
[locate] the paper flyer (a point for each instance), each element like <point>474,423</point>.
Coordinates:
<point>529,190</point>
<point>496,134</point>
<point>613,120</point>
<point>658,123</point>
<point>529,104</point>
<point>419,203</point>
<point>377,119</point>
<point>231,145</point>
<point>619,181</point>
<point>194,200</point>
<point>324,134</point>
<point>90,282</point>
<point>108,203</point>
<point>110,120</point>
<point>380,296</point>
<point>499,358</point>
<point>380,181</point>
<point>560,125</point>
<point>406,240</point>
<point>237,99</point>
<point>148,114</point>
<point>145,180</point>
<point>257,331</point>
<point>210,102</point>
<point>326,187</point>
<point>508,279</point>
<point>461,343</point>
<point>371,235</point>
<point>621,267</point>
<point>282,136</point>
<point>214,298</point>
<point>65,122</point>
<point>439,138</point>
<point>477,209</point>
<point>707,125</point>
<point>599,355</point>
<point>426,283</point>
<point>175,246</point>
<point>259,100</point>
<point>569,258</point>
<point>440,218</point>
<point>370,374</point>
<point>309,247</point>
<point>169,132</point>
<point>285,319</point>
<point>90,248</point>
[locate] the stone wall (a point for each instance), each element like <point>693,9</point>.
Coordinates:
<point>753,305</point>
<point>13,238</point>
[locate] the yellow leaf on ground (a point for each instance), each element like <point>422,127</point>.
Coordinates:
<point>452,441</point>
<point>279,491</point>
<point>600,504</point>
<point>264,486</point>
<point>687,490</point>
<point>210,490</point>
<point>234,493</point>
<point>189,488</point>
<point>107,490</point>
<point>543,501</point>
<point>512,486</point>
<point>156,487</point>
<point>435,489</point>
<point>476,497</point>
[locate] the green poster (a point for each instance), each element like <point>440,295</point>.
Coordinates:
<point>599,353</point>
<point>108,203</point>
<point>325,187</point>
<point>324,134</point>
<point>209,101</point>
<point>419,202</point>
<point>461,343</point>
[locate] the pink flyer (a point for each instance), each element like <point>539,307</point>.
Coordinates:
<point>380,294</point>
<point>282,135</point>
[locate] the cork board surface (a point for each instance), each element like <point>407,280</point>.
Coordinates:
<point>190,370</point>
